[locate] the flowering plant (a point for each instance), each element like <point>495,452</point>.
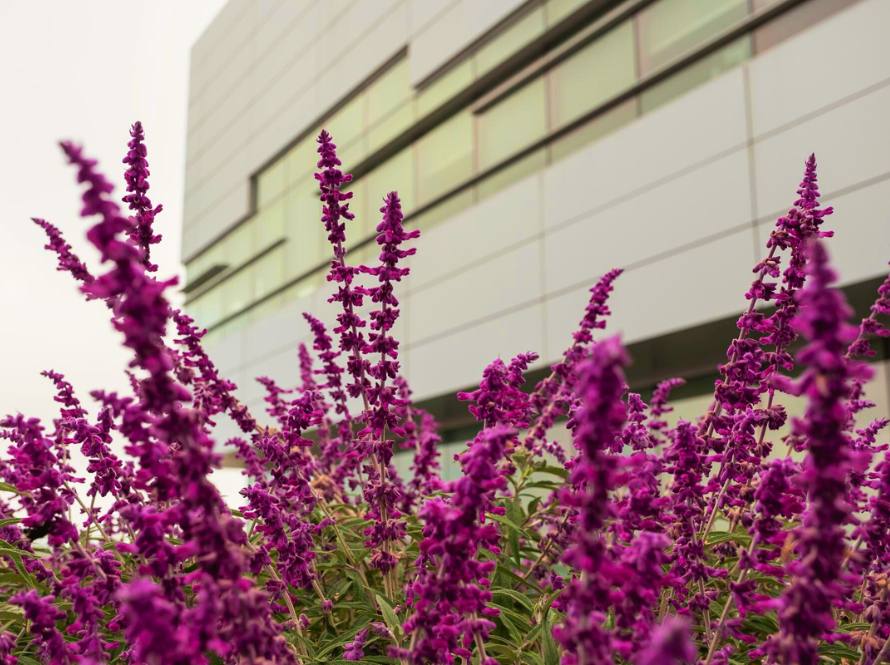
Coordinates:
<point>733,538</point>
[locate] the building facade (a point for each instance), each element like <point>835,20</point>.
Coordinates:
<point>536,144</point>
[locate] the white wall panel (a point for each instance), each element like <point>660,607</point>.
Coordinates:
<point>706,122</point>
<point>453,30</point>
<point>503,220</point>
<point>455,361</point>
<point>829,61</point>
<point>491,286</point>
<point>860,248</point>
<point>851,142</point>
<point>694,205</point>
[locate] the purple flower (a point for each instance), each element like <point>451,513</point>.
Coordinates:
<point>449,597</point>
<point>599,420</point>
<point>499,399</point>
<point>355,650</point>
<point>141,233</point>
<point>805,612</point>
<point>335,214</point>
<point>68,260</point>
<point>671,644</point>
<point>43,615</point>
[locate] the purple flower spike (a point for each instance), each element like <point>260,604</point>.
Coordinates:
<point>599,419</point>
<point>141,233</point>
<point>819,580</point>
<point>671,644</point>
<point>68,260</point>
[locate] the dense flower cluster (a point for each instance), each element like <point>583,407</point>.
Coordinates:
<point>743,535</point>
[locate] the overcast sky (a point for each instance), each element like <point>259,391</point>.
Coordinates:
<point>81,70</point>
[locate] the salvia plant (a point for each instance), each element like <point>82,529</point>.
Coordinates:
<point>738,537</point>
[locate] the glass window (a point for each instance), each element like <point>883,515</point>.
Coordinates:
<point>306,286</point>
<point>705,69</point>
<point>594,129</point>
<point>392,125</point>
<point>301,159</point>
<point>792,21</point>
<point>444,87</point>
<point>270,183</point>
<point>365,212</point>
<point>445,156</point>
<point>349,122</point>
<point>511,40</point>
<point>208,307</point>
<point>268,273</point>
<point>517,171</point>
<point>670,28</point>
<point>395,174</point>
<point>513,123</point>
<point>239,244</point>
<point>306,244</point>
<point>390,91</point>
<point>270,224</point>
<point>236,292</point>
<point>557,10</point>
<point>593,75</point>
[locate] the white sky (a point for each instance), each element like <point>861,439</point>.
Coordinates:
<point>80,70</point>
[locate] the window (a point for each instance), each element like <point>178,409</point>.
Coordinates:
<point>237,292</point>
<point>510,40</point>
<point>270,183</point>
<point>390,105</point>
<point>301,159</point>
<point>444,87</point>
<point>270,224</point>
<point>396,173</point>
<point>445,156</point>
<point>268,273</point>
<point>513,123</point>
<point>239,244</point>
<point>670,28</point>
<point>793,21</point>
<point>304,230</point>
<point>703,70</point>
<point>557,10</point>
<point>594,74</point>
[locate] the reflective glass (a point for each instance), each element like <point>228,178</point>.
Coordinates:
<point>593,74</point>
<point>270,183</point>
<point>445,156</point>
<point>512,123</point>
<point>444,87</point>
<point>390,91</point>
<point>306,245</point>
<point>301,159</point>
<point>557,10</point>
<point>396,173</point>
<point>236,292</point>
<point>510,40</point>
<point>670,28</point>
<point>268,273</point>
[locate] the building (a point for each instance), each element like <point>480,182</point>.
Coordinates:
<point>536,144</point>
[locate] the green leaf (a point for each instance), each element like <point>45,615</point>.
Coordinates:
<point>389,616</point>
